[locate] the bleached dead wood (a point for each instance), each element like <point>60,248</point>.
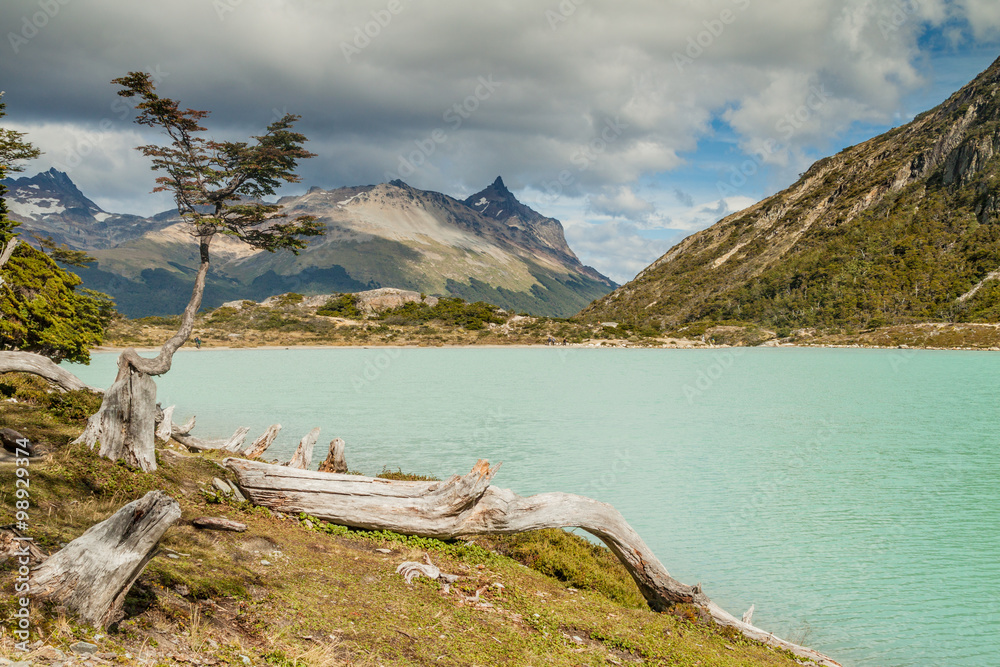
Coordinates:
<point>260,445</point>
<point>412,569</point>
<point>92,574</point>
<point>335,461</point>
<point>126,422</point>
<point>165,429</point>
<point>36,364</point>
<point>7,252</point>
<point>128,413</point>
<point>185,428</point>
<point>231,444</point>
<point>304,452</point>
<point>469,505</point>
<point>15,544</point>
<point>218,523</point>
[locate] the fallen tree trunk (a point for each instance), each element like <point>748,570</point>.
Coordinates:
<point>92,574</point>
<point>36,364</point>
<point>469,505</point>
<point>231,444</point>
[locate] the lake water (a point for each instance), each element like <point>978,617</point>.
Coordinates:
<point>853,496</point>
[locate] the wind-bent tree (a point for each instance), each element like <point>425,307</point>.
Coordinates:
<point>218,187</point>
<point>44,318</point>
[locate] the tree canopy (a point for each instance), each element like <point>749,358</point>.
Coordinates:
<point>218,185</point>
<point>41,309</point>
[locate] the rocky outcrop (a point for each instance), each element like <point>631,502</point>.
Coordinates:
<point>369,301</point>
<point>387,298</point>
<point>787,259</point>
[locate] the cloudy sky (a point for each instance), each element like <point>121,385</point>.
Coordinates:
<point>629,120</point>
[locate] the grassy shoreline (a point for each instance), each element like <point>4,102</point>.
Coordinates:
<point>294,321</point>
<point>293,591</point>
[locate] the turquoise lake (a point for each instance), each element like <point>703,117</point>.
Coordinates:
<point>853,496</point>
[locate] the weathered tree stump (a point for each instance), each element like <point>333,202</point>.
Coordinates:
<point>92,575</point>
<point>260,445</point>
<point>304,452</point>
<point>166,426</point>
<point>469,505</point>
<point>127,416</point>
<point>125,424</point>
<point>335,461</point>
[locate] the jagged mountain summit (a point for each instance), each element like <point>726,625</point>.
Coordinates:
<point>387,235</point>
<point>499,203</point>
<point>50,204</point>
<point>899,229</point>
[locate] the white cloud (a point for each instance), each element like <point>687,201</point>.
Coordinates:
<point>983,16</point>
<point>592,105</point>
<point>616,248</point>
<point>621,203</point>
<point>101,161</point>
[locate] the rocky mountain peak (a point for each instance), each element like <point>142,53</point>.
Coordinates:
<point>896,229</point>
<point>50,189</point>
<point>499,203</point>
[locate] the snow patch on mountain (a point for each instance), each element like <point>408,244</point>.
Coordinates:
<point>34,208</point>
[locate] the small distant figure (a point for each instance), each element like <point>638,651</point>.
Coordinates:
<point>565,342</point>
<point>197,342</point>
<point>551,341</point>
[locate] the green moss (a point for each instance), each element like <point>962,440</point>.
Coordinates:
<point>574,561</point>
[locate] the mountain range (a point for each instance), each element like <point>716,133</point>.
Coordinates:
<point>489,247</point>
<point>899,229</point>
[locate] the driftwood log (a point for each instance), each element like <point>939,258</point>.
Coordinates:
<point>92,574</point>
<point>469,505</point>
<point>166,430</point>
<point>36,364</point>
<point>232,444</point>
